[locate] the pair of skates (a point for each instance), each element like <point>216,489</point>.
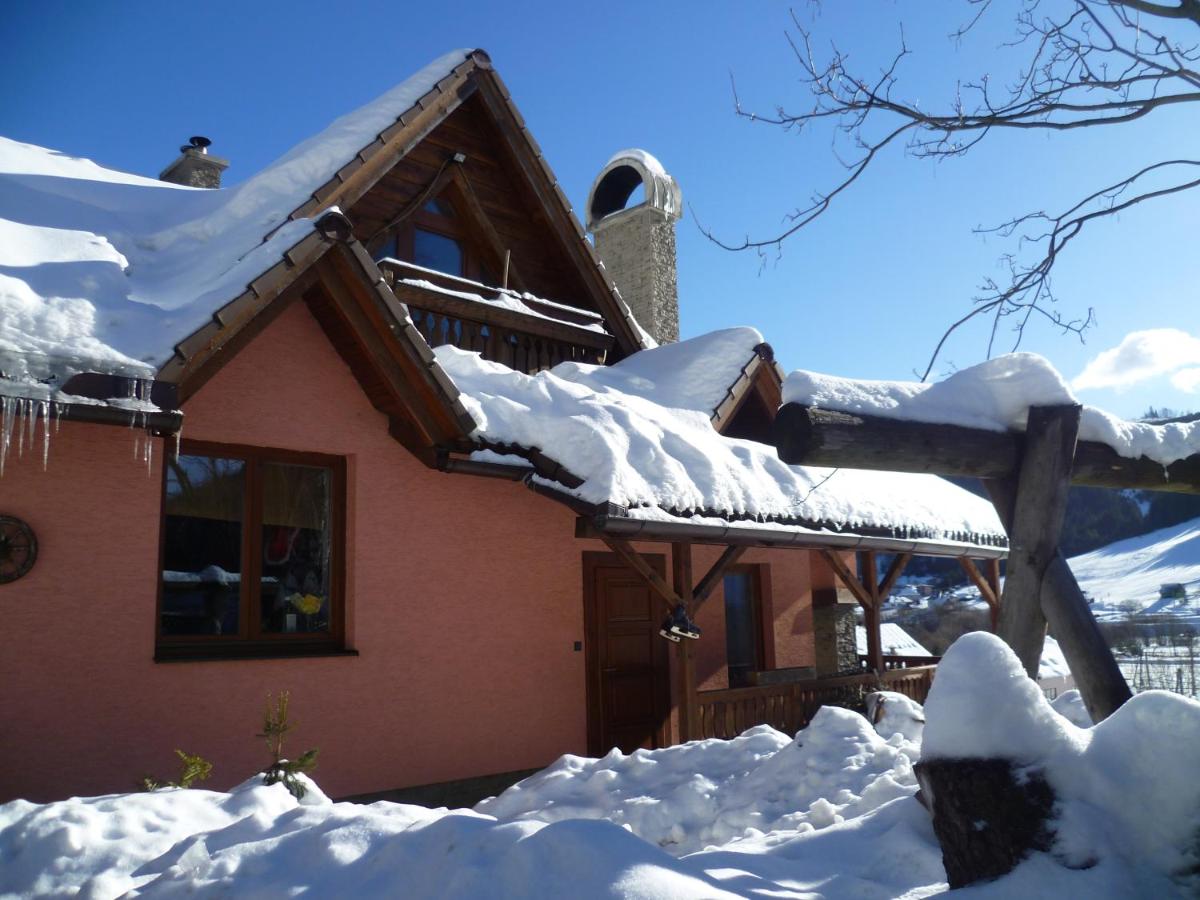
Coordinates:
<point>678,626</point>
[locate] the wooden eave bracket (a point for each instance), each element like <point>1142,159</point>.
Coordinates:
<point>702,591</point>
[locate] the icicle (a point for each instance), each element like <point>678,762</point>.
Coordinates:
<point>58,414</point>
<point>178,437</point>
<point>149,454</point>
<point>22,405</point>
<point>7,406</point>
<point>45,405</point>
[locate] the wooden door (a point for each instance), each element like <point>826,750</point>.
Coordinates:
<point>628,679</point>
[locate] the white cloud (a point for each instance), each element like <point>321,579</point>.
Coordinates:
<point>1187,380</point>
<point>1142,355</point>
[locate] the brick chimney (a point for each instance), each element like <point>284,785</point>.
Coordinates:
<point>637,244</point>
<point>195,167</point>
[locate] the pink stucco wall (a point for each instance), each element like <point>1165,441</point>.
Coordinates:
<point>464,603</point>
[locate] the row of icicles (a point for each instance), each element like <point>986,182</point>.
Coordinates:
<point>19,417</point>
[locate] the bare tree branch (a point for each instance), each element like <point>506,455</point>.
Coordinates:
<point>1088,64</point>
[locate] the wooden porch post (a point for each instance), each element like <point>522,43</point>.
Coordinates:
<point>872,613</point>
<point>993,579</point>
<point>687,702</point>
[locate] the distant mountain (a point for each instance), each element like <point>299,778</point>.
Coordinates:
<point>1134,569</point>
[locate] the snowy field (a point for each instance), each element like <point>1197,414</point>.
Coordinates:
<point>829,813</point>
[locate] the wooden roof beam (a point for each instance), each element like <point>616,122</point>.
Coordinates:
<point>821,437</point>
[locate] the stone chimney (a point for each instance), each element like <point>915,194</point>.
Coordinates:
<point>637,244</point>
<point>195,167</point>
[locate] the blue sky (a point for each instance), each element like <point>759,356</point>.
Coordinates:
<point>865,292</point>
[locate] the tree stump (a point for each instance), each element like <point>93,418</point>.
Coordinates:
<point>986,818</point>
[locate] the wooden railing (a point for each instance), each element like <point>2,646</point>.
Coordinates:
<point>518,350</point>
<point>520,331</point>
<point>790,707</point>
<point>903,662</point>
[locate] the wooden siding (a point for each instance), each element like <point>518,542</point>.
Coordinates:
<point>503,195</point>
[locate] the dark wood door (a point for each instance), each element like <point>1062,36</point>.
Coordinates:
<point>627,670</point>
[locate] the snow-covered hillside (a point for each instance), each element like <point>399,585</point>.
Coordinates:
<point>1134,569</point>
<point>830,813</point>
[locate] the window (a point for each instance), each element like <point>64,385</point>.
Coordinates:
<point>743,624</point>
<point>434,237</point>
<point>252,552</point>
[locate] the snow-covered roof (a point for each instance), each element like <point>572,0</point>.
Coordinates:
<point>105,271</point>
<point>996,396</point>
<point>637,434</point>
<point>895,640</point>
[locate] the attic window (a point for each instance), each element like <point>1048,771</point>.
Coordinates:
<point>436,251</point>
<point>434,237</point>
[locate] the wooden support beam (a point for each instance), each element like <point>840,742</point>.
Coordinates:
<point>687,701</point>
<point>1037,516</point>
<point>895,570</point>
<point>634,560</point>
<point>986,591</point>
<point>714,575</point>
<point>1096,672</point>
<point>993,577</point>
<point>1065,609</point>
<point>848,578</point>
<point>822,437</point>
<point>873,612</point>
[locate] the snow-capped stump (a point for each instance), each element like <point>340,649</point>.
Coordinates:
<point>1006,776</point>
<point>894,713</point>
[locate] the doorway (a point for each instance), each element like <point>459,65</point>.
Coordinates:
<point>628,674</point>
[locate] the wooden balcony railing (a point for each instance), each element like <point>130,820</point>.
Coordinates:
<point>790,707</point>
<point>904,662</point>
<point>521,332</point>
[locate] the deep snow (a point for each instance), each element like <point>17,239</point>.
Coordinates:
<point>830,813</point>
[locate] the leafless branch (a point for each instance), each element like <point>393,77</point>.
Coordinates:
<point>1088,64</point>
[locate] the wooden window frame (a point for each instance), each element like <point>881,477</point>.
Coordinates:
<point>762,627</point>
<point>455,228</point>
<point>251,642</point>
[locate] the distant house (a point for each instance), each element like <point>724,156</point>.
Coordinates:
<point>377,427</point>
<point>896,641</point>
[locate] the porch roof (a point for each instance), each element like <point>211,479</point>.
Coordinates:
<point>637,451</point>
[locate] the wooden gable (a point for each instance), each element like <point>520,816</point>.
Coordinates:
<point>466,143</point>
<point>488,192</point>
<point>749,407</point>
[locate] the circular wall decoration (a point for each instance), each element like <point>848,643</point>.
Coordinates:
<point>18,549</point>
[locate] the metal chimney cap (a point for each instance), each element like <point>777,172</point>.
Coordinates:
<point>197,143</point>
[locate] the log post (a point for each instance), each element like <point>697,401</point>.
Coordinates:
<point>1096,672</point>
<point>1043,480</point>
<point>687,702</point>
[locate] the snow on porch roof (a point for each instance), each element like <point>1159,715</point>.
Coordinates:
<point>106,271</point>
<point>637,434</point>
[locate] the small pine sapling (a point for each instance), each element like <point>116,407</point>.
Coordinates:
<point>275,726</point>
<point>192,768</point>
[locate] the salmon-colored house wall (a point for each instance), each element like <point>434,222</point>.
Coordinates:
<point>464,602</point>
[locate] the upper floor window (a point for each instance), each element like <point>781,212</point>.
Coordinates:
<point>434,237</point>
<point>253,550</point>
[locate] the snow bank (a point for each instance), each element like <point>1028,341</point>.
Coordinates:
<point>106,271</point>
<point>639,439</point>
<point>1121,790</point>
<point>828,814</point>
<point>996,396</point>
<point>714,792</point>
